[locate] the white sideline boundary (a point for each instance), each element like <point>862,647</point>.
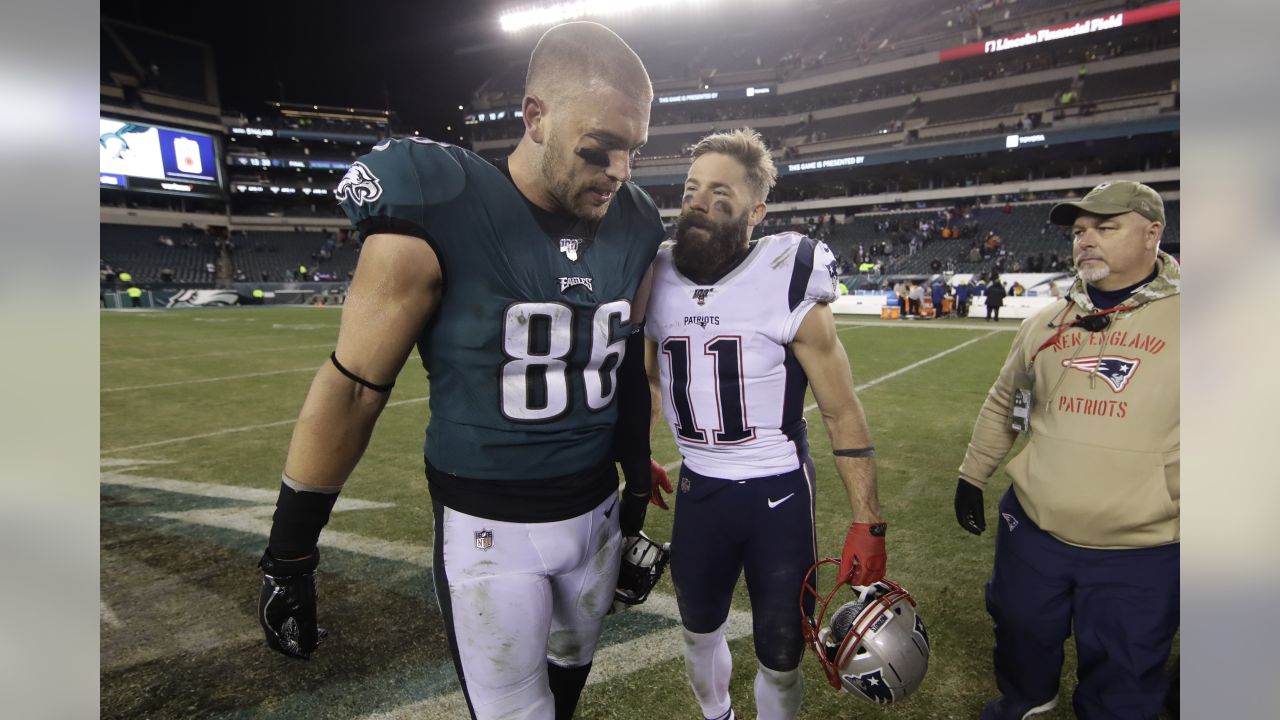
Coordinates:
<point>311,368</point>
<point>927,325</point>
<point>246,428</point>
<point>224,353</point>
<point>220,378</point>
<point>611,661</point>
<point>887,376</point>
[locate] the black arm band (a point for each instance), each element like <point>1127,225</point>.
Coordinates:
<point>297,523</point>
<point>868,451</point>
<point>631,433</point>
<point>333,356</point>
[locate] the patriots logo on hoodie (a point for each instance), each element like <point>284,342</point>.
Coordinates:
<point>1114,369</point>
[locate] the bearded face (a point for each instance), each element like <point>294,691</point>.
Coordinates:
<point>705,248</point>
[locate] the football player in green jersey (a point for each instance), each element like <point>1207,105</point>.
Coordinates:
<point>517,281</point>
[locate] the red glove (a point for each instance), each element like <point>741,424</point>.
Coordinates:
<point>863,559</point>
<point>658,476</point>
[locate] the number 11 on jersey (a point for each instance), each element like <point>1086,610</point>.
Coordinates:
<point>726,354</point>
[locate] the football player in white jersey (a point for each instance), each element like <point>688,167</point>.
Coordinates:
<point>737,331</point>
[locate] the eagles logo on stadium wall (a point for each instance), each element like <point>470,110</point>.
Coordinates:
<point>484,539</point>
<point>359,185</point>
<point>569,246</point>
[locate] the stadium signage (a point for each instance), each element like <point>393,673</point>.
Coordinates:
<point>720,94</point>
<point>824,164</point>
<point>176,187</point>
<point>1061,32</point>
<point>1013,141</point>
<point>1045,34</point>
<point>477,118</point>
<point>691,97</point>
<point>279,189</point>
<point>255,132</point>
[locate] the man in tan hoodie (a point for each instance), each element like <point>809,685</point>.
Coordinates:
<point>1089,530</point>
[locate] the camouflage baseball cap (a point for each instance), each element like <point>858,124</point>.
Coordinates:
<point>1112,198</point>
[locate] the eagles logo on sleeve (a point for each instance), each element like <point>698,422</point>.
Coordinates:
<point>359,185</point>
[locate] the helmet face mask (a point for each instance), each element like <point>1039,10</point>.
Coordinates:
<point>873,644</point>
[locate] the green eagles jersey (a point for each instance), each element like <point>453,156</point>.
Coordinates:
<point>523,349</point>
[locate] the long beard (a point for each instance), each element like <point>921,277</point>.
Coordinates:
<point>705,256</point>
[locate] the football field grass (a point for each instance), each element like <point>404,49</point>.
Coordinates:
<point>197,408</point>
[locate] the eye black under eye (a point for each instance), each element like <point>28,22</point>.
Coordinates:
<point>593,157</point>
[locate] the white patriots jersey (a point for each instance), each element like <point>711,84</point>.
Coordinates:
<point>733,393</point>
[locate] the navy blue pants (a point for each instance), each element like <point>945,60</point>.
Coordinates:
<point>762,528</point>
<point>1123,603</point>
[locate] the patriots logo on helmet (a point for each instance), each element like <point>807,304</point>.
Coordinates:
<point>919,630</point>
<point>359,185</point>
<point>871,685</point>
<point>1116,370</point>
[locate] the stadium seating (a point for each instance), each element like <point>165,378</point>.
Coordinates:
<point>1023,230</point>
<point>137,249</point>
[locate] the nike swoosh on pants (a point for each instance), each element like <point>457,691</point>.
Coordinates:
<point>775,503</point>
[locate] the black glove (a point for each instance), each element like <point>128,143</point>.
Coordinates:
<point>636,491</point>
<point>970,512</point>
<point>287,605</point>
<point>634,508</point>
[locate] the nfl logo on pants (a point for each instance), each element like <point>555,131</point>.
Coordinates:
<point>484,539</point>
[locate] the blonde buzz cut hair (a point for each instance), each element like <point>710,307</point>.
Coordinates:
<point>747,147</point>
<point>574,59</point>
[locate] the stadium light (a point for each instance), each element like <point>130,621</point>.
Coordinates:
<point>548,14</point>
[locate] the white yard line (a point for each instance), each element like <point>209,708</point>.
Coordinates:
<point>197,356</point>
<point>669,467</point>
<point>930,325</point>
<point>215,490</point>
<point>246,428</point>
<point>220,378</point>
<point>916,364</point>
<point>311,368</point>
<point>612,661</point>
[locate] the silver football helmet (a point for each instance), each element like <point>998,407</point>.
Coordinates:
<point>643,561</point>
<point>874,644</point>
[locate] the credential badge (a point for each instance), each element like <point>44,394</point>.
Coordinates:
<point>484,539</point>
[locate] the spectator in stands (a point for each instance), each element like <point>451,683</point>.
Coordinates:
<point>995,298</point>
<point>975,254</point>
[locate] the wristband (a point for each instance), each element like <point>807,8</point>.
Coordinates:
<point>298,520</point>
